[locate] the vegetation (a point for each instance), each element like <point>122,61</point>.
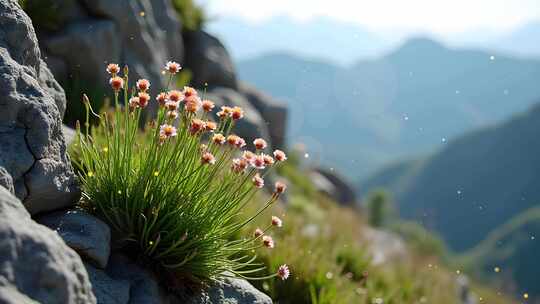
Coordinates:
<point>191,15</point>
<point>379,208</point>
<point>508,256</point>
<point>332,262</point>
<point>174,193</point>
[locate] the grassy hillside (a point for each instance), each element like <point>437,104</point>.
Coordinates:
<point>331,258</point>
<point>473,184</point>
<point>508,257</point>
<point>407,102</point>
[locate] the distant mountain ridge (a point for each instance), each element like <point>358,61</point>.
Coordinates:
<point>474,184</point>
<point>413,100</point>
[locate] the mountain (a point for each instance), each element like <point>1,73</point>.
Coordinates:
<point>473,184</point>
<point>522,41</point>
<point>410,101</point>
<point>321,37</point>
<point>509,255</point>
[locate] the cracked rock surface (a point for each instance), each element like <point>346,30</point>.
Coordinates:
<point>35,263</point>
<point>32,148</point>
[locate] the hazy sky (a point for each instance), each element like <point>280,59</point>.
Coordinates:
<point>436,16</point>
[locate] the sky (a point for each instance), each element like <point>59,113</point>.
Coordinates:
<point>432,16</point>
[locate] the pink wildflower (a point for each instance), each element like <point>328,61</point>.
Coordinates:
<point>280,155</point>
<point>276,221</point>
<point>144,98</point>
<point>210,126</point>
<point>175,96</point>
<point>116,83</point>
<point>162,98</point>
<point>189,91</point>
<point>143,85</point>
<point>280,187</point>
<point>283,272</point>
<point>258,232</point>
<point>268,160</point>
<point>258,162</point>
<point>192,103</point>
<point>225,112</point>
<point>113,69</point>
<point>196,126</point>
<point>207,105</point>
<point>239,165</point>
<point>172,114</point>
<point>237,113</point>
<point>173,67</point>
<point>167,130</point>
<point>260,143</point>
<point>258,181</point>
<point>268,241</point>
<point>218,139</point>
<point>208,158</point>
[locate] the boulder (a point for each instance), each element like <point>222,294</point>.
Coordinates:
<point>6,181</point>
<point>106,289</point>
<point>32,148</point>
<point>34,261</point>
<point>273,112</point>
<point>231,290</point>
<point>84,233</point>
<point>384,246</point>
<point>86,47</point>
<point>252,125</point>
<point>209,61</point>
<point>334,186</point>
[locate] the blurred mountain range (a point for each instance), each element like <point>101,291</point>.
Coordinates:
<point>410,101</point>
<point>344,43</point>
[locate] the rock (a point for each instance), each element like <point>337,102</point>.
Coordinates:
<point>106,289</point>
<point>384,246</point>
<point>84,233</point>
<point>149,35</point>
<point>209,61</point>
<point>35,262</point>
<point>6,181</point>
<point>231,291</point>
<point>335,186</point>
<point>272,111</point>
<point>32,148</point>
<point>10,295</point>
<point>144,287</point>
<point>465,295</point>
<point>86,47</point>
<point>69,134</point>
<point>252,125</point>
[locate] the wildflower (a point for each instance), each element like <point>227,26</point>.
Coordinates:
<point>248,155</point>
<point>268,241</point>
<point>144,98</point>
<point>240,143</point>
<point>208,158</point>
<point>268,160</point>
<point>193,103</point>
<point>283,272</point>
<point>260,143</point>
<point>207,105</point>
<point>175,96</point>
<point>280,155</point>
<point>167,131</point>
<point>196,126</point>
<point>143,85</point>
<point>189,91</point>
<point>171,105</point>
<point>173,67</point>
<point>239,165</point>
<point>218,139</point>
<point>237,113</point>
<point>113,69</point>
<point>276,221</point>
<point>116,83</point>
<point>233,139</point>
<point>162,98</point>
<point>225,112</point>
<point>280,187</point>
<point>258,181</point>
<point>210,126</point>
<point>258,162</point>
<point>133,103</point>
<point>172,115</point>
<point>258,232</point>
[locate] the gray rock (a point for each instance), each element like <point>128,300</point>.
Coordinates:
<point>341,191</point>
<point>149,35</point>
<point>231,290</point>
<point>272,111</point>
<point>86,47</point>
<point>144,287</point>
<point>209,61</point>
<point>32,147</point>
<point>34,261</point>
<point>252,125</point>
<point>6,181</point>
<point>385,246</point>
<point>49,84</point>
<point>84,233</point>
<point>106,289</point>
<point>10,295</point>
<point>69,134</point>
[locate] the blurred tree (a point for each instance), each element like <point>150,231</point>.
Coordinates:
<point>379,207</point>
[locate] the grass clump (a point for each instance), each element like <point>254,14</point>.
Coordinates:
<point>175,193</point>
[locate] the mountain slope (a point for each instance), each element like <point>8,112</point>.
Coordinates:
<point>407,102</point>
<point>472,185</point>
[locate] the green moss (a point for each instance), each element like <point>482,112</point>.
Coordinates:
<point>191,15</point>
